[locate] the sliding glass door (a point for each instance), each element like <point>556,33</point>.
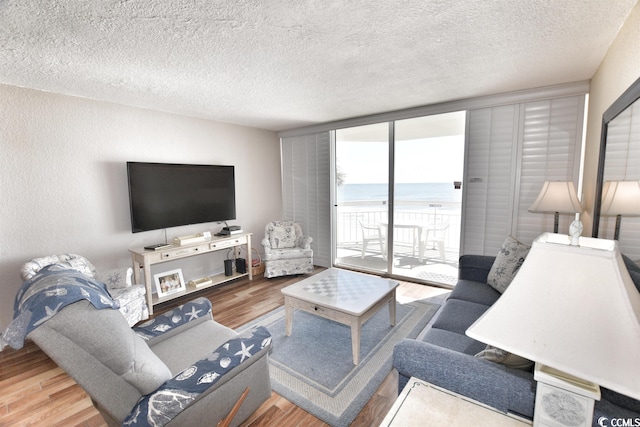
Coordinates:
<point>398,197</point>
<point>428,173</point>
<point>362,196</point>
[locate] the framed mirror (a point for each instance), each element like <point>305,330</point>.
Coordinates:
<point>619,161</point>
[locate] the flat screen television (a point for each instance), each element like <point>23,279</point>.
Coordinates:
<point>163,195</point>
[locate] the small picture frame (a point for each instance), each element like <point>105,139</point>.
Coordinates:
<point>169,282</point>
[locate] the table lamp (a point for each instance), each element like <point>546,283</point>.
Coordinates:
<point>575,311</point>
<point>620,198</point>
<point>560,197</point>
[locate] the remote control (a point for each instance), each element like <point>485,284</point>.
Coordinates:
<point>157,246</point>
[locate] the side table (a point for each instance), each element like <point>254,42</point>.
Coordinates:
<point>423,404</point>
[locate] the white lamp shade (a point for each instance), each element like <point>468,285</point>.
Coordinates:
<point>557,196</point>
<point>573,308</point>
<point>621,198</point>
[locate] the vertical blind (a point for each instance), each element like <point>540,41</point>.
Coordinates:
<point>306,183</point>
<point>511,151</point>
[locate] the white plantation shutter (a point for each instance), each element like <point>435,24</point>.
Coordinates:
<point>551,141</point>
<point>490,159</point>
<point>511,151</point>
<point>622,159</point>
<point>306,181</point>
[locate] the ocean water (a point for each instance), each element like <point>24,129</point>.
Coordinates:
<point>438,192</point>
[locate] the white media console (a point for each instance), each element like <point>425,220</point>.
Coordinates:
<point>143,259</point>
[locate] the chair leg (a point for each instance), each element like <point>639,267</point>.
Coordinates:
<point>441,249</point>
<point>226,421</point>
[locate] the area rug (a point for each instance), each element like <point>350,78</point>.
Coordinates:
<point>313,367</point>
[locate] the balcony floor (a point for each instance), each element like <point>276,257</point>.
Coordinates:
<point>433,269</point>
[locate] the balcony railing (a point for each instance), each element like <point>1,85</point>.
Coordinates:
<point>350,216</point>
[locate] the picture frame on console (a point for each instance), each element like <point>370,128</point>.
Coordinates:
<point>169,282</point>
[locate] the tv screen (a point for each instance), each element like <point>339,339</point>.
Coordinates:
<point>163,195</point>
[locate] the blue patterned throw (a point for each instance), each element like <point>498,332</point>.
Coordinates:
<point>172,319</point>
<point>45,294</point>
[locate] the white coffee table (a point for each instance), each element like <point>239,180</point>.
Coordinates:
<point>343,296</point>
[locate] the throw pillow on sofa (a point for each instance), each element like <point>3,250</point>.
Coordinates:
<point>511,360</point>
<point>508,261</point>
<point>507,264</point>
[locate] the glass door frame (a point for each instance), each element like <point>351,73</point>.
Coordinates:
<point>335,203</point>
<point>389,226</point>
<point>390,202</point>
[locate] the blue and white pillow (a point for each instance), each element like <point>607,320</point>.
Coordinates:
<point>507,264</point>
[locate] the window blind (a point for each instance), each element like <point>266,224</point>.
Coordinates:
<point>488,186</point>
<point>551,149</point>
<point>511,151</point>
<point>306,163</point>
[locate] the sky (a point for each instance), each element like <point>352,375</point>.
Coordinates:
<point>439,159</point>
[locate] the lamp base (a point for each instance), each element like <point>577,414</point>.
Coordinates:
<point>562,399</point>
<point>575,231</point>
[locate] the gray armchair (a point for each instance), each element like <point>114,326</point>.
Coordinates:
<point>131,378</point>
<point>180,368</point>
<point>287,250</point>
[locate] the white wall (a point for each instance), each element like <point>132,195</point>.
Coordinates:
<point>63,184</point>
<point>619,69</point>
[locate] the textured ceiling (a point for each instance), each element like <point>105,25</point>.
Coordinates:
<point>282,64</point>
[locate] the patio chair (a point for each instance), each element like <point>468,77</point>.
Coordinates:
<point>437,236</point>
<point>372,234</point>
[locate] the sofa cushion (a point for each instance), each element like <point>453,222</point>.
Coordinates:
<point>630,264</point>
<point>507,263</point>
<point>635,277</point>
<point>195,343</point>
<point>458,315</point>
<point>634,271</point>
<point>620,400</point>
<point>453,341</point>
<point>475,267</point>
<point>289,253</point>
<point>480,293</point>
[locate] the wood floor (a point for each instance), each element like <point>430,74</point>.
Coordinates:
<point>34,391</point>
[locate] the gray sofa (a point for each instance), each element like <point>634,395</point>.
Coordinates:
<point>445,356</point>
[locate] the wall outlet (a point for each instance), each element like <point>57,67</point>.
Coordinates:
<point>237,251</point>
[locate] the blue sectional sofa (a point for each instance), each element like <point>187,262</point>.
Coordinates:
<point>445,356</point>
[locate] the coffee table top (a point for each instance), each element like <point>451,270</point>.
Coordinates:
<point>344,290</point>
